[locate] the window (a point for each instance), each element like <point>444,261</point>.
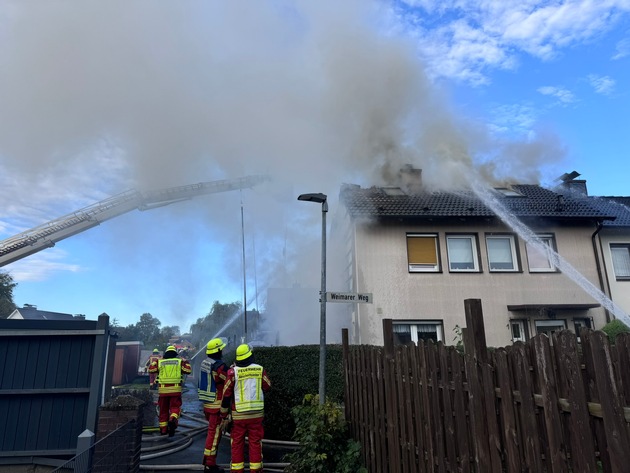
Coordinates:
<point>518,330</point>
<point>407,332</point>
<point>462,253</point>
<point>580,323</point>
<point>621,260</point>
<point>550,326</point>
<point>422,253</point>
<point>501,252</point>
<point>541,261</point>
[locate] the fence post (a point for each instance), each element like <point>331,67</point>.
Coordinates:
<point>475,333</point>
<point>388,338</point>
<point>83,461</point>
<point>346,375</point>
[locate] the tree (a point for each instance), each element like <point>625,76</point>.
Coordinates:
<point>7,284</point>
<point>148,329</point>
<point>224,320</point>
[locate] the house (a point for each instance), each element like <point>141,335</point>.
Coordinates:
<point>613,239</point>
<point>30,312</point>
<point>421,253</point>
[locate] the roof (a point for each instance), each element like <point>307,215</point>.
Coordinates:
<point>617,206</point>
<point>32,313</point>
<point>526,200</point>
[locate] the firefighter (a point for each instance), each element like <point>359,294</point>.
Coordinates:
<point>244,392</point>
<point>155,356</point>
<point>170,372</point>
<point>212,377</point>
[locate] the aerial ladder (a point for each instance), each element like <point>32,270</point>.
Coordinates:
<point>46,235</point>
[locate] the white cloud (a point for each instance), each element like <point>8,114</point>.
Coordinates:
<point>478,34</point>
<point>41,266</point>
<point>565,96</point>
<point>602,84</point>
<point>623,49</point>
<point>514,119</point>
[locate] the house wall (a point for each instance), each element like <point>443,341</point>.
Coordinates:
<point>381,268</point>
<point>619,290</point>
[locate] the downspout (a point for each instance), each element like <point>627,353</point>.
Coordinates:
<point>600,273</point>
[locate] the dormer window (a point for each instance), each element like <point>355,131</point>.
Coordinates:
<point>508,192</point>
<point>393,191</point>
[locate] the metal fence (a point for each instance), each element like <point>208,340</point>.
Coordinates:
<point>102,455</point>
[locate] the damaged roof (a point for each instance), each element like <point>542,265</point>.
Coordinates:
<point>523,200</point>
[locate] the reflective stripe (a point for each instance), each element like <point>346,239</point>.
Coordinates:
<point>248,394</point>
<point>170,371</point>
<point>255,466</point>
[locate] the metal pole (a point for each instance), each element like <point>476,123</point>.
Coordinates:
<point>322,320</point>
<point>244,276</point>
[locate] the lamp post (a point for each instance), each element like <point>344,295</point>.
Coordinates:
<point>321,199</point>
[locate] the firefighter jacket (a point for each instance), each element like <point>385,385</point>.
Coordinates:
<point>170,373</point>
<point>212,377</point>
<point>151,359</point>
<point>245,388</point>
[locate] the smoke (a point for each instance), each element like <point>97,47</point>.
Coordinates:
<point>101,96</point>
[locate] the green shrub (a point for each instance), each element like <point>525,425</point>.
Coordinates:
<point>294,373</point>
<point>614,328</point>
<point>324,443</point>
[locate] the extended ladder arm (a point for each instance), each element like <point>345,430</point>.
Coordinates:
<point>46,235</point>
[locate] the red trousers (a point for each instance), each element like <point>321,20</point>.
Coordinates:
<point>213,416</point>
<point>170,407</point>
<point>253,429</point>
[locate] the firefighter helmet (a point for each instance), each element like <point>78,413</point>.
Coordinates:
<point>171,348</point>
<point>214,346</point>
<point>243,352</point>
<point>156,351</point>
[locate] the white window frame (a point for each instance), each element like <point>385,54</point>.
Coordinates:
<point>424,268</point>
<point>579,321</point>
<point>620,251</point>
<point>512,240</point>
<point>472,239</point>
<point>550,242</point>
<point>521,326</point>
<point>550,323</point>
<point>413,324</point>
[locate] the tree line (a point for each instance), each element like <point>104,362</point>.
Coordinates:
<point>222,320</point>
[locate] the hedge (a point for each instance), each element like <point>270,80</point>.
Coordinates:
<point>294,372</point>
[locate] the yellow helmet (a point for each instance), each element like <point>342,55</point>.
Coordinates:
<point>243,352</point>
<point>155,350</point>
<point>214,346</point>
<point>171,348</point>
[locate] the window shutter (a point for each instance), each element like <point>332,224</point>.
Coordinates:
<point>421,250</point>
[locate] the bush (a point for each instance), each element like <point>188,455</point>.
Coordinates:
<point>614,328</point>
<point>323,436</point>
<point>294,373</point>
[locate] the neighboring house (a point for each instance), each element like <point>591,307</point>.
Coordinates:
<point>30,312</point>
<point>615,242</point>
<point>421,254</point>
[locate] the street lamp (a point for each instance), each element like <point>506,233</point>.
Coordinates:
<point>321,199</point>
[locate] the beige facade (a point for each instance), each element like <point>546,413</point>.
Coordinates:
<point>515,304</point>
<point>618,285</point>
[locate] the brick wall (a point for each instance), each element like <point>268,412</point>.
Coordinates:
<point>119,436</point>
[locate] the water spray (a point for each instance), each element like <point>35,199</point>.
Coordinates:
<point>489,199</point>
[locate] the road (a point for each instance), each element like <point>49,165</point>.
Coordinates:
<point>184,451</point>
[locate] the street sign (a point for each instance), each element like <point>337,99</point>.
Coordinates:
<point>349,297</point>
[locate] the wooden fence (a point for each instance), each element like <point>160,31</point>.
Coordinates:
<point>541,406</point>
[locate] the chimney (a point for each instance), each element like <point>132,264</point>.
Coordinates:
<point>573,185</point>
<point>410,179</point>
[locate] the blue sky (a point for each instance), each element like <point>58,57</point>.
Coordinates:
<point>101,97</point>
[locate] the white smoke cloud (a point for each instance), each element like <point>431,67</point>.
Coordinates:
<point>98,97</point>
